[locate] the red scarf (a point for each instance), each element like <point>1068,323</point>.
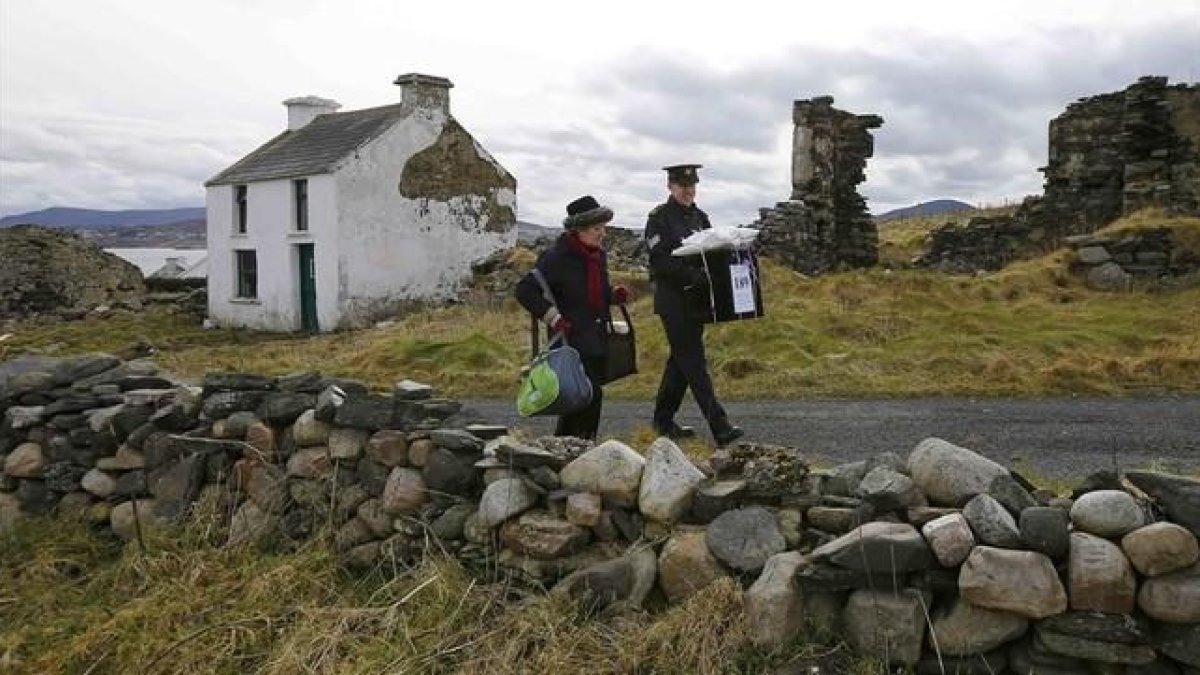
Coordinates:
<point>592,258</point>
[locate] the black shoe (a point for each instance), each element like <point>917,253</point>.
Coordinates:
<point>727,435</point>
<point>674,431</point>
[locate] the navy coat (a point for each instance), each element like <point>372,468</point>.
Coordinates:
<point>566,274</point>
<point>679,290</point>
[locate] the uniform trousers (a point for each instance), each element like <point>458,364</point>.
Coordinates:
<point>686,367</point>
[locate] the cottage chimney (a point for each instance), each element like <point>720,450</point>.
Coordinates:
<point>304,109</point>
<point>424,92</point>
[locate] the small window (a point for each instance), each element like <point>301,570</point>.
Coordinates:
<point>247,274</point>
<point>239,209</point>
<point>300,190</point>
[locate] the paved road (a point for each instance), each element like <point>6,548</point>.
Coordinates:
<point>1057,437</point>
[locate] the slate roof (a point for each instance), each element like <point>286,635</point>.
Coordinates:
<point>313,149</point>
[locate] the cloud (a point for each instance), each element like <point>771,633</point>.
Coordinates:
<point>965,115</point>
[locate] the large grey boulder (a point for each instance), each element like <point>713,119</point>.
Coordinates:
<point>1100,576</point>
<point>612,470</point>
<point>745,538</point>
<point>668,482</point>
<point>1022,582</point>
<point>774,603</point>
<point>949,475</point>
<point>1160,548</point>
<point>992,523</point>
<point>504,499</point>
<point>1107,513</point>
<point>1173,598</point>
<point>877,547</point>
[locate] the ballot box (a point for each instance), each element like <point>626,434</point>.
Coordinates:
<point>734,291</point>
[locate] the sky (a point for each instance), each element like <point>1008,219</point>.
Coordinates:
<point>125,104</point>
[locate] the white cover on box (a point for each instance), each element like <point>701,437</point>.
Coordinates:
<point>716,238</point>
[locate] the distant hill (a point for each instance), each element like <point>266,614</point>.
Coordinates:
<point>930,208</point>
<point>62,216</point>
<point>166,228</point>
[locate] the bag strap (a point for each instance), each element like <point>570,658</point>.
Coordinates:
<point>625,316</point>
<point>533,321</point>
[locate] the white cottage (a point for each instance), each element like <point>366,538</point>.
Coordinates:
<point>341,218</point>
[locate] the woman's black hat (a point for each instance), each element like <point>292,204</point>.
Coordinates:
<point>586,211</point>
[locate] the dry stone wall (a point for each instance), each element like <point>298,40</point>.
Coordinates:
<point>940,560</point>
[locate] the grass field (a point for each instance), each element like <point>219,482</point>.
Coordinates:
<point>1030,329</point>
<point>73,603</point>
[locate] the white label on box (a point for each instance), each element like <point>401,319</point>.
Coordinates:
<point>743,289</point>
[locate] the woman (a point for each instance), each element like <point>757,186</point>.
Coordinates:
<point>576,270</point>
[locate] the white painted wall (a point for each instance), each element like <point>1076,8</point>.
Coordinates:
<point>394,248</point>
<point>374,248</point>
<point>269,232</point>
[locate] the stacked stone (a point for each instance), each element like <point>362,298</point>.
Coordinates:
<point>984,243</point>
<point>1111,264</point>
<point>825,224</point>
<point>1113,154</point>
<point>943,559</point>
<point>64,418</point>
<point>951,563</point>
<point>798,236</point>
<point>1109,155</point>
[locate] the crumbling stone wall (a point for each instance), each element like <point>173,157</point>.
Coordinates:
<point>825,224</point>
<point>1109,155</point>
<point>1113,154</point>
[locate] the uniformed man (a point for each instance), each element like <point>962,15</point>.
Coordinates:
<point>679,291</point>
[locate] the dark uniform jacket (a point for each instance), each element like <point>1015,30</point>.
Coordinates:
<point>566,274</point>
<point>679,290</point>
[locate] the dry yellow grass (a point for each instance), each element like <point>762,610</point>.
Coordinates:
<point>1030,329</point>
<point>70,604</point>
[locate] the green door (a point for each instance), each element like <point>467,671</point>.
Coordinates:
<point>308,288</point>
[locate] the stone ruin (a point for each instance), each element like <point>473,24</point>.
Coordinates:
<point>1109,156</point>
<point>942,561</point>
<point>824,225</point>
<point>52,271</point>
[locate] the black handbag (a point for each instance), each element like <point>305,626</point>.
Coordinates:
<point>622,350</point>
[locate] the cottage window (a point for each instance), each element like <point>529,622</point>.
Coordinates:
<point>239,209</point>
<point>247,274</point>
<point>300,203</point>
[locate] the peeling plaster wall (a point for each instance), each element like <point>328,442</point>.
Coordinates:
<point>270,233</point>
<point>411,233</point>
